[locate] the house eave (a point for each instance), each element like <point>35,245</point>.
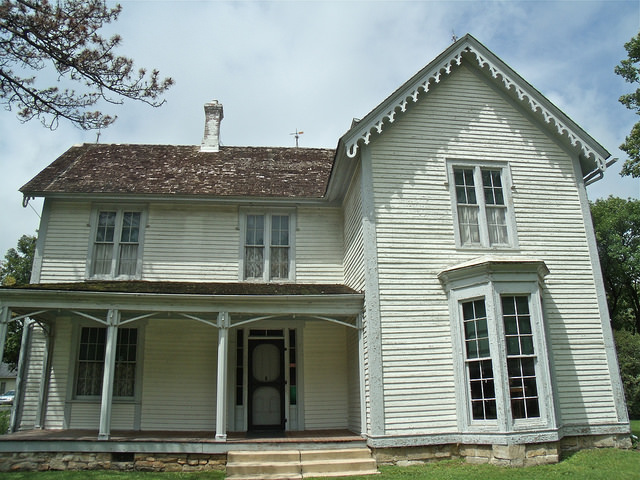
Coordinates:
<point>593,156</point>
<point>314,304</point>
<point>176,199</point>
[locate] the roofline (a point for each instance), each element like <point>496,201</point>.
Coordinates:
<point>335,304</point>
<point>396,104</point>
<point>204,199</point>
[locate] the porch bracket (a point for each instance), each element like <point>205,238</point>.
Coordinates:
<point>221,386</point>
<point>334,320</point>
<point>113,318</point>
<point>198,319</point>
<point>91,317</point>
<point>139,317</point>
<point>255,319</point>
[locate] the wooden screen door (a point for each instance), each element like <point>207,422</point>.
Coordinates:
<point>266,384</point>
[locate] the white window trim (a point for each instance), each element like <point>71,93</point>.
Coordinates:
<point>267,212</point>
<point>119,209</point>
<point>490,280</point>
<point>75,350</point>
<point>507,186</point>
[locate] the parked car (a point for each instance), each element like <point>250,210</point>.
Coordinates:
<point>7,397</point>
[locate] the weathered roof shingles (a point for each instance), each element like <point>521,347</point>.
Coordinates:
<point>185,170</point>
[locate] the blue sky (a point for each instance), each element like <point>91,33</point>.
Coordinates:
<point>314,65</point>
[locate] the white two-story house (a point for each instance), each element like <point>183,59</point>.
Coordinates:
<point>431,282</point>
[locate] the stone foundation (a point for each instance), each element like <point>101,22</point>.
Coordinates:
<point>509,455</point>
<point>161,462</point>
<point>522,455</point>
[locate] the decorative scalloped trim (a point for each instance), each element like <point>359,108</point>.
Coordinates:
<point>422,86</point>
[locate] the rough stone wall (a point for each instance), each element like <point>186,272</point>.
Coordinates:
<point>509,455</point>
<point>159,462</point>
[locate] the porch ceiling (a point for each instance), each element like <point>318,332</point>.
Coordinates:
<point>186,297</point>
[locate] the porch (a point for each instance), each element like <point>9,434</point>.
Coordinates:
<point>208,331</point>
<point>174,442</point>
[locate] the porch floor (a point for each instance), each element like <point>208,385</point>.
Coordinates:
<point>174,441</point>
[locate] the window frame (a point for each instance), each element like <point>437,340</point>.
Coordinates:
<point>120,211</point>
<point>485,280</point>
<point>483,220</point>
<point>268,214</point>
<point>72,389</point>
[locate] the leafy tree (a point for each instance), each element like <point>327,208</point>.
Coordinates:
<point>628,347</point>
<point>629,69</point>
<point>617,227</point>
<point>16,270</point>
<point>61,38</point>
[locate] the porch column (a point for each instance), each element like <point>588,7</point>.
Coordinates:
<point>221,388</point>
<point>5,316</point>
<point>363,399</point>
<point>113,318</point>
<point>27,325</point>
<point>44,377</point>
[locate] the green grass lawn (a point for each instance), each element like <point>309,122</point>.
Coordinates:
<point>605,464</point>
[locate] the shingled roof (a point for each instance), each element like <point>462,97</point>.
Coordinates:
<point>185,170</point>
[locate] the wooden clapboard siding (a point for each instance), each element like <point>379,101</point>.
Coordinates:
<point>191,243</point>
<point>319,245</point>
<point>66,242</point>
<point>60,371</point>
<point>464,118</point>
<point>86,415</point>
<point>353,380</point>
<point>179,379</point>
<point>353,242</point>
<point>325,376</point>
<point>29,407</point>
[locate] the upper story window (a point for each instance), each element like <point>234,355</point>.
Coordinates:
<point>502,372</point>
<point>116,246</point>
<point>267,249</point>
<point>482,206</point>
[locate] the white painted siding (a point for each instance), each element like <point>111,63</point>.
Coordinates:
<point>353,246</point>
<point>465,118</point>
<point>353,381</point>
<point>86,415</point>
<point>191,243</point>
<point>60,372</point>
<point>325,376</point>
<point>179,379</point>
<point>67,242</point>
<point>29,407</point>
<point>319,245</point>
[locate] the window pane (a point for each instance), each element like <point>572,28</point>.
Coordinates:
<point>253,262</point>
<point>130,227</point>
<point>520,360</point>
<point>279,262</point>
<point>492,184</point>
<point>280,230</point>
<point>106,226</point>
<point>465,187</point>
<point>469,227</point>
<point>128,260</point>
<point>497,225</point>
<point>255,230</point>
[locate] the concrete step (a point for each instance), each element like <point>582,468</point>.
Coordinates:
<point>299,464</point>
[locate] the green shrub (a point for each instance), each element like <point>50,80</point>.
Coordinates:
<point>628,347</point>
<point>5,417</point>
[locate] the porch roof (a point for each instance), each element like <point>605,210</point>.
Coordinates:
<point>233,297</point>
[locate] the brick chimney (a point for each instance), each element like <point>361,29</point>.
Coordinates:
<point>213,116</point>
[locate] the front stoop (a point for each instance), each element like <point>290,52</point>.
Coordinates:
<point>298,464</point>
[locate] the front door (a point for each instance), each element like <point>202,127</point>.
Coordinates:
<point>266,384</point>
